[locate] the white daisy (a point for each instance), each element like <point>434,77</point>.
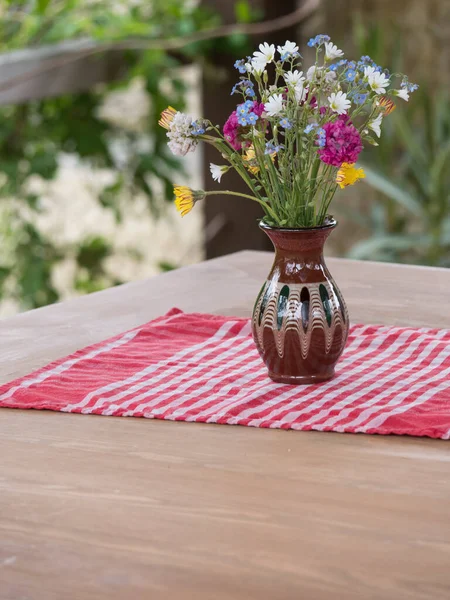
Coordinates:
<point>368,71</point>
<point>403,94</point>
<point>375,125</point>
<point>339,103</point>
<point>266,53</point>
<point>293,78</point>
<point>378,82</point>
<point>274,106</point>
<point>332,51</point>
<point>218,170</point>
<point>257,66</point>
<point>288,49</point>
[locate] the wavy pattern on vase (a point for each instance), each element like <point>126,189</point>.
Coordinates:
<point>326,311</point>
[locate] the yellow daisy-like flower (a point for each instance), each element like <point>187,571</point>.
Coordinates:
<point>185,198</point>
<point>387,104</point>
<point>250,158</point>
<point>167,116</point>
<point>348,175</point>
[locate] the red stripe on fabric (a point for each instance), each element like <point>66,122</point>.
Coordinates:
<point>187,395</point>
<point>213,354</point>
<point>171,386</point>
<point>158,357</point>
<point>59,391</point>
<point>415,392</point>
<point>431,419</point>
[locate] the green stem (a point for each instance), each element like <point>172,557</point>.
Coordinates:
<point>266,207</point>
<point>313,180</point>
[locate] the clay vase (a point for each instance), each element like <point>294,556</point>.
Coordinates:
<point>300,321</point>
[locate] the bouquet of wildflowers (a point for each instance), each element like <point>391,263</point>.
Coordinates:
<point>295,135</point>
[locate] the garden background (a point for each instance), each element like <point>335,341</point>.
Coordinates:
<point>85,174</point>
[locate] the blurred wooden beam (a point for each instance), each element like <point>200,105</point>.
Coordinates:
<point>56,69</point>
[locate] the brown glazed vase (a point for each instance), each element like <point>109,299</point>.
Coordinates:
<point>300,321</point>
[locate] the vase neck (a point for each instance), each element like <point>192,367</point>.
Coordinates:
<point>299,254</point>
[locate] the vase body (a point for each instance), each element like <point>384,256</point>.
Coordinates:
<point>300,321</point>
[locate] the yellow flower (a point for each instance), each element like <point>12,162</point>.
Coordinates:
<point>185,198</point>
<point>387,104</point>
<point>167,116</point>
<point>250,158</point>
<point>348,175</point>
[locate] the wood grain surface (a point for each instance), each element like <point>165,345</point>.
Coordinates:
<point>95,507</point>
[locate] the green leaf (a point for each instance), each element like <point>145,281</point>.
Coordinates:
<point>42,6</point>
<point>439,176</point>
<point>92,252</point>
<point>165,266</point>
<point>410,140</point>
<point>373,247</point>
<point>383,184</point>
<point>243,11</point>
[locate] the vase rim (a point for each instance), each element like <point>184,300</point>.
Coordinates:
<point>330,224</point>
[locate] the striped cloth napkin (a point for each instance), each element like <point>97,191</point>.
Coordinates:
<point>205,368</point>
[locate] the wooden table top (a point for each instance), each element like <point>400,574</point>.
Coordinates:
<point>95,507</point>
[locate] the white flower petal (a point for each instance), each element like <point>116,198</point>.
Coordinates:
<point>310,73</point>
<point>274,105</point>
<point>293,78</point>
<point>403,94</point>
<point>316,72</point>
<point>289,48</point>
<point>339,102</point>
<point>368,71</point>
<point>217,171</point>
<point>258,66</point>
<point>300,92</point>
<point>377,81</point>
<point>375,125</point>
<point>332,51</point>
<point>266,52</point>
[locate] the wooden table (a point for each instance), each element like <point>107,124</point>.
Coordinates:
<point>95,508</point>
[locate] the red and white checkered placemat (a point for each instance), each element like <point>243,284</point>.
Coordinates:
<point>205,368</point>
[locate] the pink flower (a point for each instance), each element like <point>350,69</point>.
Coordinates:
<point>313,102</point>
<point>258,108</point>
<point>344,117</point>
<point>342,145</point>
<point>232,129</point>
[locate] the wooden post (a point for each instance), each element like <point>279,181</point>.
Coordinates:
<point>237,216</point>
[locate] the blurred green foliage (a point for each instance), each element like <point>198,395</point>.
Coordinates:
<point>26,23</point>
<point>409,221</point>
<point>31,138</point>
<point>33,135</point>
